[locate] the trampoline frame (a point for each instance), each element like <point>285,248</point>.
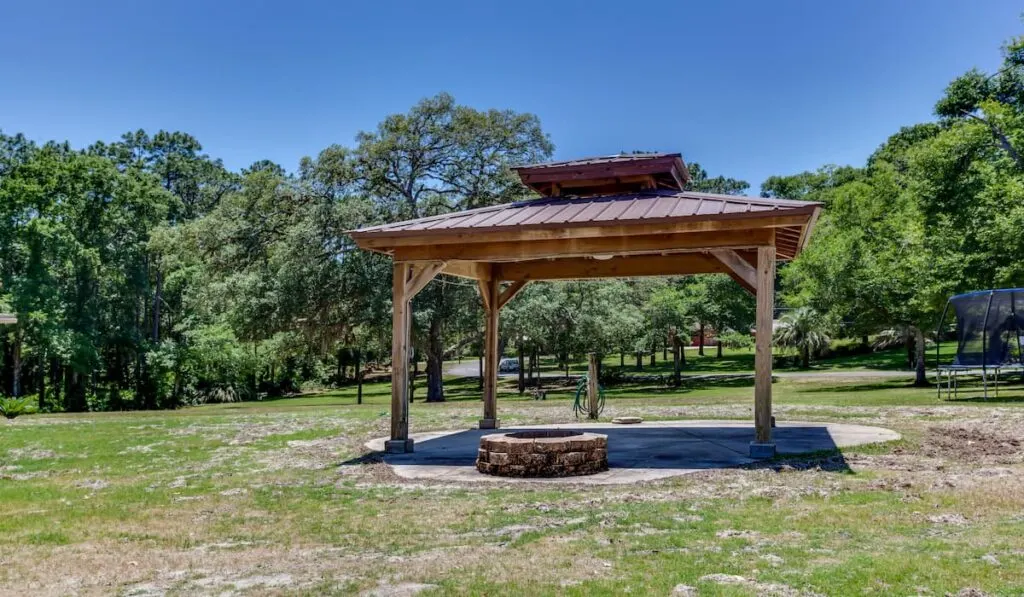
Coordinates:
<point>954,371</point>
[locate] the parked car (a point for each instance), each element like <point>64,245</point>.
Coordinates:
<point>508,365</point>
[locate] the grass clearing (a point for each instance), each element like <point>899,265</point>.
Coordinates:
<point>274,498</point>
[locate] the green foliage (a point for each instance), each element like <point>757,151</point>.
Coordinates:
<point>803,330</point>
<point>736,340</point>
<point>14,407</point>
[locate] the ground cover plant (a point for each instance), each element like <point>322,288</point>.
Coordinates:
<point>279,497</point>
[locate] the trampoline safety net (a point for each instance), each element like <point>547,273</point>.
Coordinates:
<point>988,327</point>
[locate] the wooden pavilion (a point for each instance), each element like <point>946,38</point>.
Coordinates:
<point>609,217</point>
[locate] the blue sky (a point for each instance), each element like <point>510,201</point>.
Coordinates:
<point>748,89</point>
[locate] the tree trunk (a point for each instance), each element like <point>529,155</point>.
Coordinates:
<point>55,379</point>
<point>535,367</point>
<point>157,300</point>
<point>675,358</point>
<point>481,384</point>
<point>622,359</point>
<point>359,377</point>
<point>639,360</point>
<point>719,347</point>
<point>700,340</point>
<point>435,362</point>
<point>76,393</point>
<point>664,351</point>
<point>42,382</point>
<point>6,371</point>
<point>412,378</point>
<point>805,357</point>
<point>921,377</point>
<point>522,365</point>
<point>653,355</point>
<point>16,364</point>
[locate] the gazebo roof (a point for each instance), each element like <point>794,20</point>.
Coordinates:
<point>648,226</point>
<point>631,214</point>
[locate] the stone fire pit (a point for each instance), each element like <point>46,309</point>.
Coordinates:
<point>542,453</point>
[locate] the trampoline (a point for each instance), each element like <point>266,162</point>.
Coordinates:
<point>988,337</point>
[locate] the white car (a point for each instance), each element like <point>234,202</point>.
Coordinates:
<point>508,365</point>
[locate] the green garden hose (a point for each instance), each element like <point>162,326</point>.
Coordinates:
<point>580,405</point>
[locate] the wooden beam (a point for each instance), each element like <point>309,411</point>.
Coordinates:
<point>763,345</point>
<point>805,234</point>
<point>399,361</point>
<point>485,293</point>
<point>509,292</point>
<point>743,283</point>
<point>490,419</point>
<point>474,270</point>
<point>580,247</point>
<point>422,275</point>
<point>740,270</point>
<point>582,268</point>
<point>795,217</point>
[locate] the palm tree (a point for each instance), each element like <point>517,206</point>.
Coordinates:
<point>802,329</point>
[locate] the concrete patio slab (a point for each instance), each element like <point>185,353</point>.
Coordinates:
<point>644,452</point>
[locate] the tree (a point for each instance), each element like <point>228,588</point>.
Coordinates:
<point>719,302</point>
<point>667,313</point>
<point>437,158</point>
<point>995,102</point>
<point>803,330</point>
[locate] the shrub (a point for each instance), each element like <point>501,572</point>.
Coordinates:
<point>733,339</point>
<point>12,407</point>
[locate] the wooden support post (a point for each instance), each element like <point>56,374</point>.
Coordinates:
<point>762,446</point>
<point>399,442</point>
<point>592,387</point>
<point>492,309</point>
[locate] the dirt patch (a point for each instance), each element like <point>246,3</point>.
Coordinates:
<point>976,443</point>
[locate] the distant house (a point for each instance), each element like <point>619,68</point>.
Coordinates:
<point>8,318</point>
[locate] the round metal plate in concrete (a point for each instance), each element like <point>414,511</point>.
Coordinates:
<point>643,452</point>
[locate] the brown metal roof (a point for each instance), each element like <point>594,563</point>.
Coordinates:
<point>606,159</point>
<point>606,175</point>
<point>628,209</point>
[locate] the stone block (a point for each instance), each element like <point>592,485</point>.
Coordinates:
<point>571,458</point>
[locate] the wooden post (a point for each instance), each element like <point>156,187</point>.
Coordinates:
<point>492,309</point>
<point>399,442</point>
<point>359,378</point>
<point>592,391</point>
<point>762,446</point>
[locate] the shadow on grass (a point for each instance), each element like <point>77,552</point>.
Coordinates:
<point>861,387</point>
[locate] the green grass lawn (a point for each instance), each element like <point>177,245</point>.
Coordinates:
<point>276,497</point>
<point>742,361</point>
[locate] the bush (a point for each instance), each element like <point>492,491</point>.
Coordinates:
<point>12,407</point>
<point>733,339</point>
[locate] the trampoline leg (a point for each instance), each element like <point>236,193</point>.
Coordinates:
<point>984,384</point>
<point>997,383</point>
